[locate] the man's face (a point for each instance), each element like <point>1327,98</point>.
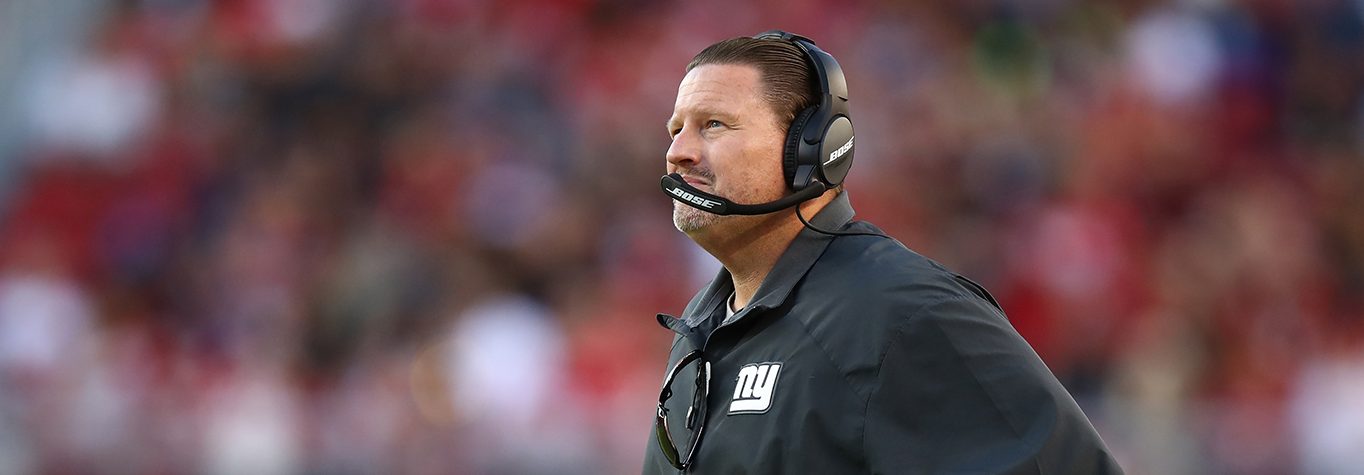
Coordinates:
<point>726,140</point>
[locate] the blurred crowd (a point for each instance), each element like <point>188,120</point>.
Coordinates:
<point>426,236</point>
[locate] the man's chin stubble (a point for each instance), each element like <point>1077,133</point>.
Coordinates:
<point>688,219</point>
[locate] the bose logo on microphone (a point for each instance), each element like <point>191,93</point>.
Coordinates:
<point>693,198</point>
<point>841,150</point>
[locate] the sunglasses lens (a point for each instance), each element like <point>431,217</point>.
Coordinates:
<point>665,441</point>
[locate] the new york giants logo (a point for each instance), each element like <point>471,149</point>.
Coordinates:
<point>753,388</point>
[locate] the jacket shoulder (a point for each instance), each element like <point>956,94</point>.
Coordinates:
<point>876,277</point>
<point>864,290</point>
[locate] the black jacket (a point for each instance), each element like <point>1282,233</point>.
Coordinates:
<point>858,355</point>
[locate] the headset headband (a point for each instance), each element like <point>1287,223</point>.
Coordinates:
<point>827,71</point>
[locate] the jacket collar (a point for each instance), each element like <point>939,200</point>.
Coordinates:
<point>793,264</point>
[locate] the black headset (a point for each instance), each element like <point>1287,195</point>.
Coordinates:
<point>819,145</point>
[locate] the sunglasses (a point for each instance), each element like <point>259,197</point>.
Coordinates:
<point>696,417</point>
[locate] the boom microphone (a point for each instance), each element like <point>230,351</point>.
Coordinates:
<point>678,189</point>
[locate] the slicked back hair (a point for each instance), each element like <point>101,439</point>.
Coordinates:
<point>788,84</point>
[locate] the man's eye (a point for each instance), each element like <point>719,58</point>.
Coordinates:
<point>714,123</point>
<point>673,133</point>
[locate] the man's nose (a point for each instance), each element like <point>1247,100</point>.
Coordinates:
<point>685,151</point>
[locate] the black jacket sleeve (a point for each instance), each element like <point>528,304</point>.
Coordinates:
<point>959,391</point>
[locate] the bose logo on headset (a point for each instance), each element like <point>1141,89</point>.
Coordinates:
<point>841,150</point>
<point>708,204</point>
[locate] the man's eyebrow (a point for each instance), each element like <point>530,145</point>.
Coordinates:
<point>711,112</point>
<point>701,111</point>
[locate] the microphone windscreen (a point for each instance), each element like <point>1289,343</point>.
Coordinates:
<point>678,189</point>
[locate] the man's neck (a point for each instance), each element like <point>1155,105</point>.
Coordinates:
<point>749,263</point>
<point>751,252</point>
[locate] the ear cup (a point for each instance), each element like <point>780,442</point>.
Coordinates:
<point>835,151</point>
<point>792,149</point>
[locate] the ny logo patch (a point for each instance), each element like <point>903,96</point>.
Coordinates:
<point>754,387</point>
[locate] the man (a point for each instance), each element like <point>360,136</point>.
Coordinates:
<point>829,348</point>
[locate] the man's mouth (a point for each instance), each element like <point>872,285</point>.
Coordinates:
<point>695,181</point>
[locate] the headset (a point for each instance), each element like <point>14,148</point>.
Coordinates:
<point>819,145</point>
